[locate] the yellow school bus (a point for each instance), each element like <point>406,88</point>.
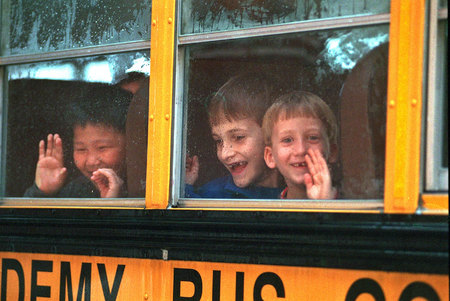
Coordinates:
<point>381,66</point>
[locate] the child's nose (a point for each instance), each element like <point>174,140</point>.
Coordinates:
<point>227,150</point>
<point>92,159</point>
<point>300,147</point>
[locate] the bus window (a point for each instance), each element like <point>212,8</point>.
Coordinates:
<point>52,55</point>
<point>437,108</point>
<point>91,95</point>
<point>41,26</point>
<point>211,16</point>
<point>346,68</point>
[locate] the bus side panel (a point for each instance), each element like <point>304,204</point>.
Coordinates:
<point>62,277</point>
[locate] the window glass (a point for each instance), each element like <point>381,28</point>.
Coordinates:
<point>436,175</point>
<point>200,16</point>
<point>35,26</point>
<point>92,95</point>
<point>347,69</point>
<point>443,30</point>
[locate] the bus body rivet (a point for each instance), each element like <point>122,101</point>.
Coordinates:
<point>169,20</point>
<point>167,116</point>
<point>392,103</point>
<point>414,102</point>
<point>152,117</point>
<point>145,296</point>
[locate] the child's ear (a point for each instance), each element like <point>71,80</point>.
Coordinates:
<point>333,154</point>
<point>268,157</point>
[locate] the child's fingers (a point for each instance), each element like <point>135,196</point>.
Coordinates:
<point>320,158</point>
<point>110,183</point>
<point>109,175</point>
<point>318,163</point>
<point>310,164</point>
<point>188,162</point>
<point>49,149</point>
<point>195,165</point>
<point>41,149</point>
<point>58,150</point>
<point>100,179</point>
<point>63,172</point>
<point>308,181</point>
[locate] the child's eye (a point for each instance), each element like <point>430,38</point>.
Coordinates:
<point>239,137</point>
<point>313,138</point>
<point>79,150</point>
<point>218,142</point>
<point>287,140</point>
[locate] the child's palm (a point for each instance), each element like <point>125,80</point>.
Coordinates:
<point>50,175</point>
<point>50,171</point>
<point>192,168</point>
<point>318,182</point>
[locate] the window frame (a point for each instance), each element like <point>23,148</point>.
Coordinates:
<point>12,202</point>
<point>366,205</point>
<point>369,205</point>
<point>404,111</point>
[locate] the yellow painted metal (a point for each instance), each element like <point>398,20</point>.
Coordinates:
<point>160,104</point>
<point>404,106</point>
<point>56,275</point>
<point>435,202</point>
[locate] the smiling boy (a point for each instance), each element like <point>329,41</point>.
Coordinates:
<point>300,132</point>
<point>235,115</point>
<point>98,150</point>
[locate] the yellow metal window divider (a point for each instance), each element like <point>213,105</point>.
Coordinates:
<point>160,104</point>
<point>404,113</point>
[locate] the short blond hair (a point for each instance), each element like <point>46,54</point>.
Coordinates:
<point>300,104</point>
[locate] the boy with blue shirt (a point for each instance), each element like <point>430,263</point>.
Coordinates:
<point>235,116</point>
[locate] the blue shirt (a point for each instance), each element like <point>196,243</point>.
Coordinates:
<point>224,188</point>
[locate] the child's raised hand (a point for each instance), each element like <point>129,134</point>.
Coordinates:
<point>108,182</point>
<point>50,171</point>
<point>192,167</point>
<point>318,181</point>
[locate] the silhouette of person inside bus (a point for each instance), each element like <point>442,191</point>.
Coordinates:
<point>136,131</point>
<point>235,114</point>
<point>300,132</point>
<point>98,123</point>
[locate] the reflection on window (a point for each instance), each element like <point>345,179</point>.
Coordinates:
<point>437,120</point>
<point>206,16</point>
<point>347,69</point>
<point>40,26</point>
<point>443,29</point>
<point>92,104</point>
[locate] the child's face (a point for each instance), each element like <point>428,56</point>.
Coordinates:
<point>240,147</point>
<point>291,139</point>
<point>98,146</point>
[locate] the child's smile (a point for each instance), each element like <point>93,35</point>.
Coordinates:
<point>238,167</point>
<point>301,164</point>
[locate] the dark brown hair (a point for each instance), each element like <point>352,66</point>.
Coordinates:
<point>242,96</point>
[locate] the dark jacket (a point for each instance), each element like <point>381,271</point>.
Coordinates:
<point>80,187</point>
